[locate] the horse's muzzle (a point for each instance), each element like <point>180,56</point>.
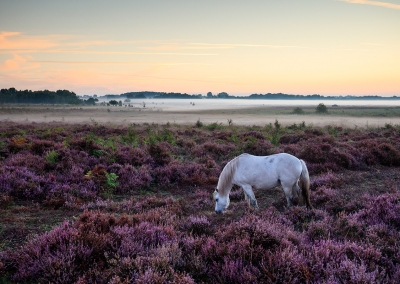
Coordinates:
<point>218,211</point>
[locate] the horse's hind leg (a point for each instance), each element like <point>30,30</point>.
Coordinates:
<point>249,195</point>
<point>296,190</point>
<point>287,189</point>
<point>246,197</point>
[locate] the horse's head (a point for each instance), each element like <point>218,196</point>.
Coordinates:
<point>221,202</point>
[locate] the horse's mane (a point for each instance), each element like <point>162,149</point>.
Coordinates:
<point>225,178</point>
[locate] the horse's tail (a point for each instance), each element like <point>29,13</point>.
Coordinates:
<point>305,184</point>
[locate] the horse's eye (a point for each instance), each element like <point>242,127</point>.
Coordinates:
<point>216,200</point>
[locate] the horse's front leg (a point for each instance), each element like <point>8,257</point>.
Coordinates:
<point>249,196</point>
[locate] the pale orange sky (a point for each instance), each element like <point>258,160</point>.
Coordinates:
<point>327,47</point>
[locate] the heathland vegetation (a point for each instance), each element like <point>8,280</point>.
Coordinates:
<point>89,203</point>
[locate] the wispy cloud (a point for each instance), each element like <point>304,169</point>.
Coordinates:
<point>81,51</point>
<point>374,3</point>
<point>170,78</point>
<point>233,45</point>
<point>114,63</point>
<point>185,46</point>
<point>17,42</point>
<point>18,63</point>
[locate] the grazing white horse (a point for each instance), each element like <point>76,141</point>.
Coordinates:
<point>263,172</point>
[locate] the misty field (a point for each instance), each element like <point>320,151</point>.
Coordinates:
<point>96,203</point>
<point>186,112</point>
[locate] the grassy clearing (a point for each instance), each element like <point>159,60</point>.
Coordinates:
<point>351,111</point>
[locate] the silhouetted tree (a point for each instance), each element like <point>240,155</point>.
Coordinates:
<point>321,108</point>
<point>90,101</point>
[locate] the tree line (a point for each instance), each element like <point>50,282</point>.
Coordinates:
<point>12,95</point>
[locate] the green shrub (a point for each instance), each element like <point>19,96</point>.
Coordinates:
<point>199,124</point>
<point>51,157</point>
<point>131,138</point>
<point>214,125</point>
<point>298,110</point>
<point>111,183</point>
<point>274,138</point>
<point>277,124</point>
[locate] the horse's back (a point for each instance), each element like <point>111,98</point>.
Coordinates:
<point>267,171</point>
<point>271,160</point>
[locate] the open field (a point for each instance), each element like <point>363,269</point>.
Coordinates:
<point>346,116</point>
<point>118,202</point>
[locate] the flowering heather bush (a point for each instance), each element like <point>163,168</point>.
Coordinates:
<point>130,178</point>
<point>254,134</point>
<point>387,154</point>
<point>344,263</point>
<point>312,133</point>
<point>177,172</point>
<point>197,225</point>
<point>133,156</point>
<point>383,209</point>
<point>161,153</point>
<point>290,138</point>
<point>257,147</point>
<point>300,216</point>
<point>328,179</point>
<point>327,156</point>
<point>41,146</point>
<point>20,182</point>
<point>325,196</point>
<point>84,145</point>
<point>201,201</point>
<point>28,160</point>
<point>214,150</point>
<point>72,251</point>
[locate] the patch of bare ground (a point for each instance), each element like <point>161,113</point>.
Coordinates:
<point>21,221</point>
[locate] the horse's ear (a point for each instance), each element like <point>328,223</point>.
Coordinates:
<point>214,195</point>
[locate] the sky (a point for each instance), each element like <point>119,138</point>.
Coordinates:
<point>326,47</point>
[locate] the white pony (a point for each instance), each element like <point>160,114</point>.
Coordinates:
<point>263,172</point>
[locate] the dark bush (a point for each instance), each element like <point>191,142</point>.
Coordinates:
<point>39,147</point>
<point>290,139</point>
<point>387,154</point>
<point>321,108</point>
<point>160,153</point>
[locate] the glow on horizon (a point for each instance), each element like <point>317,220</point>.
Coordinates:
<point>285,51</point>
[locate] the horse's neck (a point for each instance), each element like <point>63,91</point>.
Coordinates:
<point>225,179</point>
<point>225,189</point>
